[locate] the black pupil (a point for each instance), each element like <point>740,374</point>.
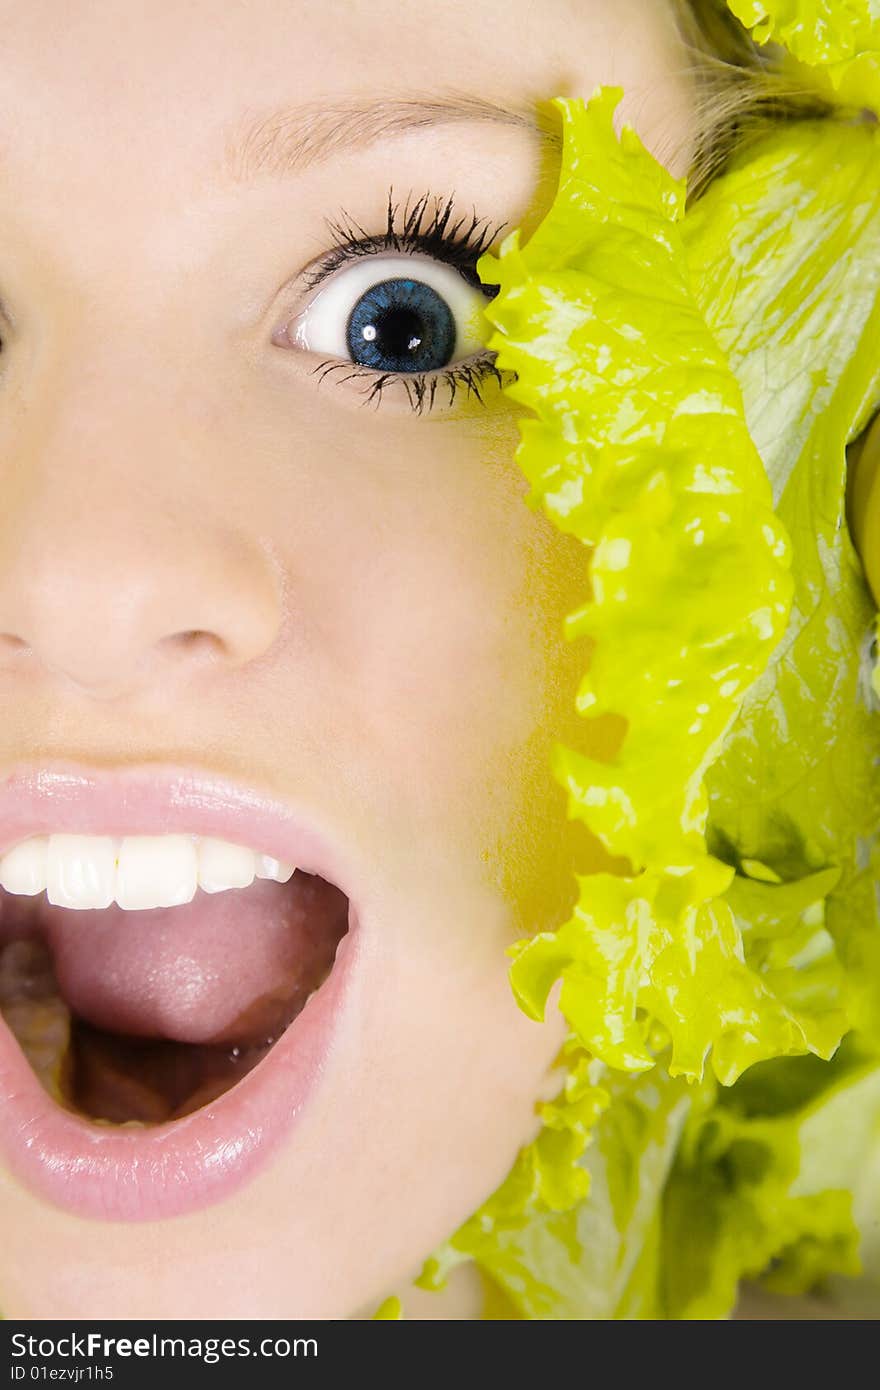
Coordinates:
<point>401,326</point>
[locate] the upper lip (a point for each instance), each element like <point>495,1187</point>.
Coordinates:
<point>156,799</point>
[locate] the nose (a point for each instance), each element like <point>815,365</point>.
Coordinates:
<point>127,559</point>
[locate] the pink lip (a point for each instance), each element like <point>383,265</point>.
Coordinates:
<point>175,1168</point>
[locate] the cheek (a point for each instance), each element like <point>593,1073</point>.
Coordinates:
<point>456,621</point>
<point>464,680</point>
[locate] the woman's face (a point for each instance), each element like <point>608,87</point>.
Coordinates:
<point>378,615</point>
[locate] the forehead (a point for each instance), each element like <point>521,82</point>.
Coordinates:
<point>119,121</point>
<point>159,84</point>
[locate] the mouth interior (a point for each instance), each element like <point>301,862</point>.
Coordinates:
<point>143,1017</point>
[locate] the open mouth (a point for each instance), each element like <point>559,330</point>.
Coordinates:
<point>168,996</point>
<point>143,1015</point>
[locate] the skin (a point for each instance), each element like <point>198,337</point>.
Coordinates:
<point>167,465</point>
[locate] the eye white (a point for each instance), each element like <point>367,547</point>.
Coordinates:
<point>321,327</point>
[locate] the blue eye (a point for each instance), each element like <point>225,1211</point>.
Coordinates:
<point>413,319</point>
<point>395,314</point>
<point>401,326</point>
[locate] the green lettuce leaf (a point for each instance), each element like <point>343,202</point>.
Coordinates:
<point>390,1310</point>
<point>656,964</point>
<point>821,33</point>
<point>834,44</point>
<point>852,1109</point>
<point>779,1179</point>
<point>796,788</point>
<point>639,446</point>
<point>748,928</point>
<point>735,1206</point>
<point>555,1255</point>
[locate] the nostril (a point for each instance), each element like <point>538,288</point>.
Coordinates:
<point>193,642</point>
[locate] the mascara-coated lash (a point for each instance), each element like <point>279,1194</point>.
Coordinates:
<point>458,243</point>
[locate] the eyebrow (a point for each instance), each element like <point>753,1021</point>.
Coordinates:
<point>292,139</point>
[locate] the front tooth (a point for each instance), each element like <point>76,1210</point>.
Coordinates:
<point>279,869</point>
<point>81,870</point>
<point>156,871</point>
<point>222,865</point>
<point>23,868</point>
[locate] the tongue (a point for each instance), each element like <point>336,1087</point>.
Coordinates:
<point>230,967</point>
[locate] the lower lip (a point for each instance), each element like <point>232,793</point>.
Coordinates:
<point>170,1170</point>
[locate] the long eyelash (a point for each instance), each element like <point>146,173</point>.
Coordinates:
<point>458,243</point>
<point>421,386</point>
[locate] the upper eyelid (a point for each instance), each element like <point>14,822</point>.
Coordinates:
<point>319,271</point>
<point>449,238</point>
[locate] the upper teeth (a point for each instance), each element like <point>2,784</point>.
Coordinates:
<point>135,871</point>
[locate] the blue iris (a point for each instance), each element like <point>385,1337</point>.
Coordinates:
<point>401,326</point>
